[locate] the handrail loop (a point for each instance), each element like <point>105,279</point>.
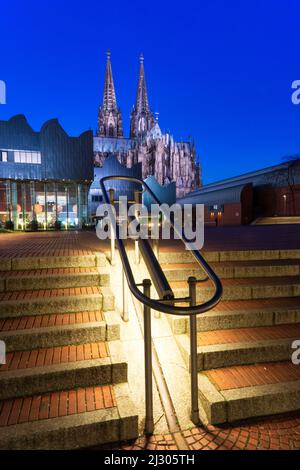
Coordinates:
<point>166,302</point>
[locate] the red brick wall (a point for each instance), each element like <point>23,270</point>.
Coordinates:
<point>232,215</point>
<point>271,201</point>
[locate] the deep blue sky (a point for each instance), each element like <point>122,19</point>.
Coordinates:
<point>220,71</point>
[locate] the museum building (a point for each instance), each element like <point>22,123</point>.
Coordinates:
<point>44,176</point>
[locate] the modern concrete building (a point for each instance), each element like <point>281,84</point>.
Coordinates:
<point>44,176</point>
<point>269,192</point>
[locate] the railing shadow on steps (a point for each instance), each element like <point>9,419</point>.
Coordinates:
<point>166,302</point>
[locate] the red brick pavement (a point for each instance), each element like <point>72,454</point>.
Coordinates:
<point>220,238</point>
<point>44,321</point>
<point>276,433</point>
<point>248,335</point>
<point>253,375</point>
<point>57,355</point>
<point>52,405</point>
<point>46,293</point>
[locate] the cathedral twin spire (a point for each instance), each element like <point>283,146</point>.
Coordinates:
<point>109,117</point>
<point>109,95</point>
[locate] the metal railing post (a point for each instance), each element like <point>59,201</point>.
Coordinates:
<point>192,281</point>
<point>149,423</point>
<point>124,297</point>
<point>112,233</point>
<point>136,243</point>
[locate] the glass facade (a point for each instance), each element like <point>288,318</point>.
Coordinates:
<point>43,205</point>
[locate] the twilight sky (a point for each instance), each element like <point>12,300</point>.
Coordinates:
<point>219,71</point>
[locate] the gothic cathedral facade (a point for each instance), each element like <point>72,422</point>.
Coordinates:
<point>159,154</point>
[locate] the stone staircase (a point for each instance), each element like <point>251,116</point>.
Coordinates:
<point>244,344</point>
<point>64,384</point>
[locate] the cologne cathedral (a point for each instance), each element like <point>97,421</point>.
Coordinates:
<point>159,154</point>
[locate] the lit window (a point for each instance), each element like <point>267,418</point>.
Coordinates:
<point>27,157</point>
<point>4,156</point>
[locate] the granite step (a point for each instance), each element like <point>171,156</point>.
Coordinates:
<point>41,331</point>
<point>224,348</point>
<point>244,289</point>
<point>46,301</point>
<point>47,369</point>
<point>68,419</point>
<point>185,256</point>
<point>52,278</point>
<point>243,314</point>
<point>53,259</point>
<point>233,269</point>
<point>239,392</point>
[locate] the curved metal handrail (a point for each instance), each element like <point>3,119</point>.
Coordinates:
<point>160,305</point>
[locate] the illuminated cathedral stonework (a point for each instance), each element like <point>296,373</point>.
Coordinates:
<point>158,152</point>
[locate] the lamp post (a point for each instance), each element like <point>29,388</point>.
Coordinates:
<point>284,204</point>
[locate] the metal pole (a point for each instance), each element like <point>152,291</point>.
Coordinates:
<point>125,296</point>
<point>192,281</point>
<point>112,233</point>
<point>136,243</point>
<point>149,423</point>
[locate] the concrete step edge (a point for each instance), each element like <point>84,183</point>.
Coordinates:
<point>237,319</point>
<point>245,292</point>
<point>64,261</point>
<point>77,431</point>
<point>65,376</point>
<point>227,355</point>
<point>53,281</point>
<point>236,272</point>
<point>20,340</point>
<point>249,402</point>
<point>230,255</point>
<point>59,304</point>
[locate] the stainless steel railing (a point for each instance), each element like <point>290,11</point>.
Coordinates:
<point>166,302</point>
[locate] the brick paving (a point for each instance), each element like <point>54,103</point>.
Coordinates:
<point>253,375</point>
<point>248,335</point>
<point>33,244</point>
<point>245,282</point>
<point>227,264</point>
<point>48,293</point>
<point>53,320</point>
<point>56,355</point>
<point>46,272</point>
<point>56,404</point>
<point>273,433</point>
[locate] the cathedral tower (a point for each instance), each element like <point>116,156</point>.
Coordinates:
<point>141,119</point>
<point>109,115</point>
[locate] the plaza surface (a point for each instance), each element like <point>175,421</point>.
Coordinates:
<point>275,432</point>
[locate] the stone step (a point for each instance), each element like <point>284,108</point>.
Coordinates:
<point>62,367</point>
<point>185,256</point>
<point>68,419</point>
<point>54,259</point>
<point>234,269</point>
<point>240,392</point>
<point>41,302</point>
<point>52,278</point>
<point>242,314</point>
<point>41,331</point>
<point>244,289</point>
<point>224,348</point>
